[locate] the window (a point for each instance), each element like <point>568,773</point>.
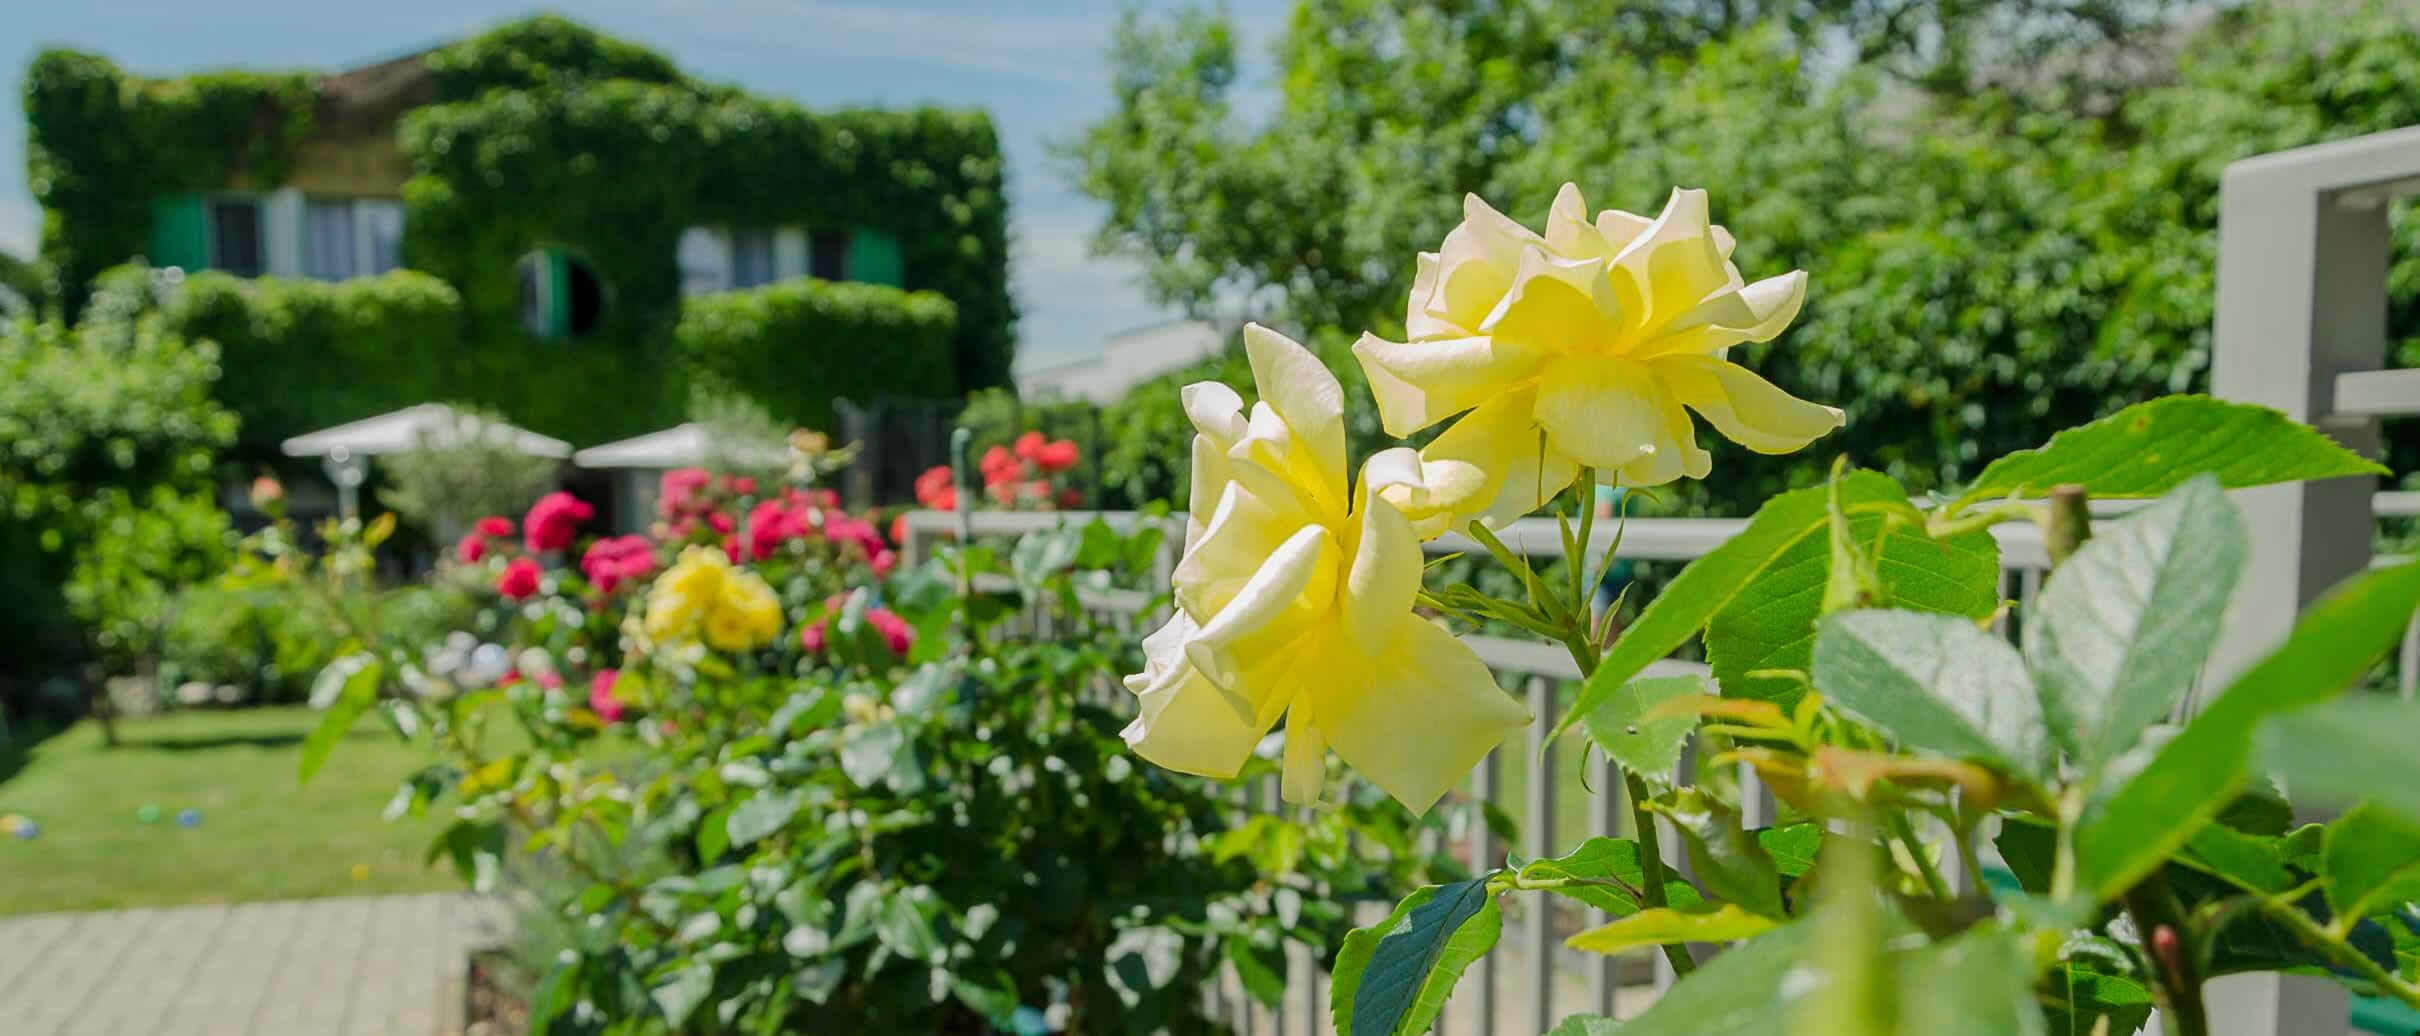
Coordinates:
<point>828,255</point>
<point>328,248</point>
<point>378,222</point>
<point>751,258</point>
<point>235,239</point>
<point>561,297</point>
<point>705,263</point>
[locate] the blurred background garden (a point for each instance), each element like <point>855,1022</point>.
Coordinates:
<point>383,389</point>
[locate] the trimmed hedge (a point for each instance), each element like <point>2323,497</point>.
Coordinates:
<point>796,346</point>
<point>297,356</point>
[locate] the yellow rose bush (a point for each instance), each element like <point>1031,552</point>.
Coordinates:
<point>1294,598</point>
<point>1585,347</point>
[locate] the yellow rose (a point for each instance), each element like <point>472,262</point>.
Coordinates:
<point>1294,599</point>
<point>1588,345</point>
<point>701,594</point>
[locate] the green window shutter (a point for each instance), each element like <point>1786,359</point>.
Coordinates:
<point>874,258</point>
<point>558,294</point>
<point>180,232</point>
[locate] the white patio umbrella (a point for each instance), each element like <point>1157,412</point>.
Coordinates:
<point>693,444</point>
<point>345,449</point>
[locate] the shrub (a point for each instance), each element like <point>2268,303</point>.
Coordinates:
<point>93,417</point>
<point>796,346</point>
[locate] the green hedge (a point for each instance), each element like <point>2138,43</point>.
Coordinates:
<point>297,356</point>
<point>796,346</point>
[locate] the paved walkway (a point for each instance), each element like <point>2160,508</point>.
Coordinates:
<point>369,966</point>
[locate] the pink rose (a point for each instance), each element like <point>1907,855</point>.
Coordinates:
<point>895,630</point>
<point>553,520</point>
<point>678,489</point>
<point>520,579</point>
<point>600,695</point>
<point>617,561</point>
<point>471,548</point>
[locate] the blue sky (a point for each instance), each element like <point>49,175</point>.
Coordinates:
<point>1036,65</point>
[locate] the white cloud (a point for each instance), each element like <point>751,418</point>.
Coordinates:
<point>20,227</point>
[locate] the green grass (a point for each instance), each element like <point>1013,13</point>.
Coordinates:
<point>262,836</point>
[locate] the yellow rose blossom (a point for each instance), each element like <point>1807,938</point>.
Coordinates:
<point>1585,346</point>
<point>1294,599</point>
<point>703,595</point>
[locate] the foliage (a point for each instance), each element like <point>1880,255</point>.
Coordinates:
<point>457,474</point>
<point>300,355</point>
<point>795,346</point>
<point>1994,255</point>
<point>627,151</point>
<point>97,416</point>
<point>269,637</point>
<point>100,145</point>
<point>2151,859</point>
<point>128,570</point>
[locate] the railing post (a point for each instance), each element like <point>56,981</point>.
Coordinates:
<point>2302,262</point>
<point>1482,848</point>
<point>1538,836</point>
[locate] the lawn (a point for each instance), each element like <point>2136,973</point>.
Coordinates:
<point>261,835</point>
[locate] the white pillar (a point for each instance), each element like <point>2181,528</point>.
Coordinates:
<point>281,232</point>
<point>2302,260</point>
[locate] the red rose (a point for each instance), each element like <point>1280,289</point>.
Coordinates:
<point>1058,456</point>
<point>719,522</point>
<point>899,529</point>
<point>731,548</point>
<point>1029,446</point>
<point>934,489</point>
<point>471,548</point>
<point>494,525</point>
<point>600,696</point>
<point>773,523</point>
<point>895,631</point>
<point>613,562</point>
<point>999,465</point>
<point>743,485</point>
<point>553,520</point>
<point>810,637</point>
<point>676,493</point>
<point>1070,498</point>
<point>883,563</point>
<point>520,579</point>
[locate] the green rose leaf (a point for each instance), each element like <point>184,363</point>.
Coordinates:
<point>1394,977</point>
<point>679,992</point>
<point>1586,1025</point>
<point>1771,624</point>
<point>2077,996</point>
<point>2347,750</point>
<point>2123,627</point>
<point>1262,969</point>
<point>1730,861</point>
<point>1648,747</point>
<point>1793,847</point>
<point>761,815</point>
<point>1665,925</point>
<point>2371,861</point>
<point>1607,858</point>
<point>907,922</point>
<point>2199,771</point>
<point>2150,448</point>
<point>871,752</point>
<point>350,687</point>
<point>1934,683</point>
<point>1784,541</point>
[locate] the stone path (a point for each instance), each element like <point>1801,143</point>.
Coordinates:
<point>368,966</point>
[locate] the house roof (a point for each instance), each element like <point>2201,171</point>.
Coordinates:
<point>371,97</point>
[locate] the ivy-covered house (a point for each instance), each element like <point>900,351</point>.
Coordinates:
<point>543,219</point>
